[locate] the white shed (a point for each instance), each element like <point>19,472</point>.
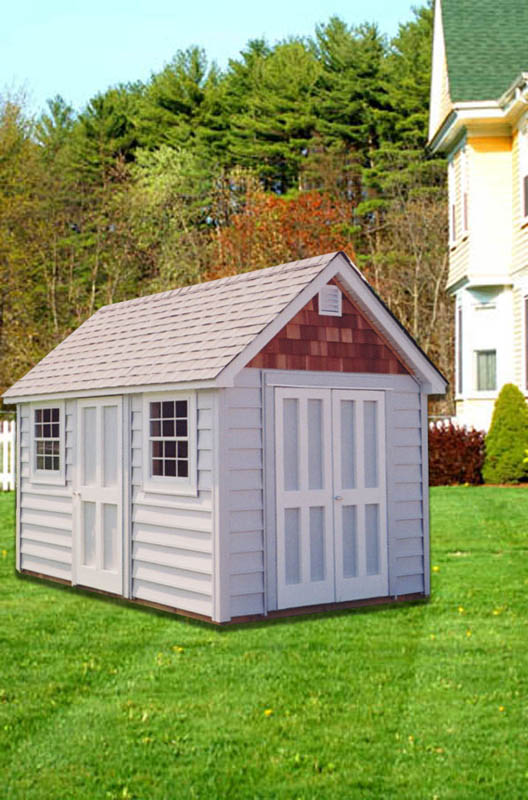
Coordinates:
<point>247,447</point>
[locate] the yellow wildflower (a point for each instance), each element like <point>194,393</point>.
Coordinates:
<point>436,568</point>
<point>468,632</point>
<point>501,708</point>
<point>268,712</point>
<point>461,610</point>
<point>4,553</point>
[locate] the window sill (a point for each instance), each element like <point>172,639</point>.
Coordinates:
<point>48,479</point>
<point>169,486</point>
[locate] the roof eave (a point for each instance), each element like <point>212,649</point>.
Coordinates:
<point>465,115</point>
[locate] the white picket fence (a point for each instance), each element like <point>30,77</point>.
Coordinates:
<point>7,456</point>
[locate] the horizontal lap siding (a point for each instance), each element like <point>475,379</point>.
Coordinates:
<point>244,493</point>
<point>172,534</point>
<point>405,493</point>
<point>46,514</point>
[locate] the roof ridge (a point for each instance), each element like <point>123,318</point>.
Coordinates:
<point>239,277</point>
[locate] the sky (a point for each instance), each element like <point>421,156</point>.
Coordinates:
<point>77,49</point>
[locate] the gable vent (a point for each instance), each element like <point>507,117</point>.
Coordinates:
<point>330,301</point>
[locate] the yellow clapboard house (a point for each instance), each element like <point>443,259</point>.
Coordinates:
<point>479,120</point>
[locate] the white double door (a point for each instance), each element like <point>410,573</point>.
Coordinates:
<point>98,543</point>
<point>330,496</point>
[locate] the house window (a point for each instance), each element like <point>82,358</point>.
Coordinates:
<point>486,370</point>
<point>170,443</point>
<point>169,438</point>
<point>47,439</point>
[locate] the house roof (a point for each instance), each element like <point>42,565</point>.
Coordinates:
<point>486,46</point>
<point>206,332</point>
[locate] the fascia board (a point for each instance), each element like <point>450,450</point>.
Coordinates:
<point>109,392</point>
<point>227,375</point>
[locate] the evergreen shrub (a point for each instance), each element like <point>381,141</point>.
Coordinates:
<point>456,454</point>
<point>507,438</point>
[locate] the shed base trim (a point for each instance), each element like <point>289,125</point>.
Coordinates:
<point>284,612</point>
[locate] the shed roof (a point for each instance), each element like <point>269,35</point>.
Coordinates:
<point>203,333</point>
<point>486,46</point>
<point>186,334</point>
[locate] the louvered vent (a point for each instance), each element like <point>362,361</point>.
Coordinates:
<point>330,301</point>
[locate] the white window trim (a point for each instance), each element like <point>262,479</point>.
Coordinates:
<point>164,484</point>
<point>523,167</point>
<point>48,476</point>
<point>459,351</point>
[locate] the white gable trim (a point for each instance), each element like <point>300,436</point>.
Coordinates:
<point>438,72</point>
<point>431,380</point>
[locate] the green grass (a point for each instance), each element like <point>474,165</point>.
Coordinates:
<point>101,700</point>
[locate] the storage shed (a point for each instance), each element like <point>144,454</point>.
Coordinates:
<point>247,447</point>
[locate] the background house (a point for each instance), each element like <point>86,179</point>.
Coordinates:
<point>234,448</point>
<point>479,119</point>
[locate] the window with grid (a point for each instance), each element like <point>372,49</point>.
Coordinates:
<point>47,439</point>
<point>169,438</point>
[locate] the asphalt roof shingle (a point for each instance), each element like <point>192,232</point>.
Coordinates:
<point>185,334</point>
<point>486,46</point>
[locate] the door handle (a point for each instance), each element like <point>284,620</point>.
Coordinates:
<point>338,497</point>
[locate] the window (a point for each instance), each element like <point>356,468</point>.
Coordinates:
<point>47,439</point>
<point>169,443</point>
<point>169,437</point>
<point>47,443</point>
<point>486,370</point>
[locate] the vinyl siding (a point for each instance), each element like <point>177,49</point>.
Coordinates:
<point>459,250</point>
<point>46,510</point>
<point>171,533</point>
<point>244,493</point>
<point>407,526</point>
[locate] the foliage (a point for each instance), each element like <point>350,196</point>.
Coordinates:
<point>456,455</point>
<point>106,701</point>
<point>269,229</point>
<point>507,438</point>
<point>305,146</point>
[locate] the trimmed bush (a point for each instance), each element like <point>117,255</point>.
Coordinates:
<point>456,455</point>
<point>507,438</point>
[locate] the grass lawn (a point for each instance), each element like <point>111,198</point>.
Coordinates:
<point>100,700</point>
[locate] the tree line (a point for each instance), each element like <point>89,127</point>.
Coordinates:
<point>305,146</point>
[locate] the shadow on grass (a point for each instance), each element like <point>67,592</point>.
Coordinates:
<point>395,607</point>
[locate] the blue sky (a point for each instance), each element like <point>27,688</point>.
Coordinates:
<point>76,49</point>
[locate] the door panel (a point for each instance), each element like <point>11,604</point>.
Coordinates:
<point>98,541</point>
<point>331,503</point>
<point>360,495</point>
<point>304,506</point>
